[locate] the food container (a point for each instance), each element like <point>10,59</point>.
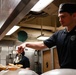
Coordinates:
<point>12,72</point>
<point>20,72</point>
<point>26,72</point>
<point>60,72</point>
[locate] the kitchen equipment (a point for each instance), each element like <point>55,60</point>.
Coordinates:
<point>26,72</point>
<point>60,72</point>
<point>19,72</point>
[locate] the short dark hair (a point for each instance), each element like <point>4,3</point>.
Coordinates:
<point>67,7</point>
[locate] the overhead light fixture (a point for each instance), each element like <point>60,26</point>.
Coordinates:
<point>13,30</point>
<point>42,38</point>
<point>40,5</point>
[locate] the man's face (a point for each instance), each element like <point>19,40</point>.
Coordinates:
<point>65,19</point>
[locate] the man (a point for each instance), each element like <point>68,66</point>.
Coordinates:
<point>64,40</point>
<point>21,58</point>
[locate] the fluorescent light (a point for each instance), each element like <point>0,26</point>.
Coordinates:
<point>42,38</point>
<point>40,5</point>
<point>12,30</point>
